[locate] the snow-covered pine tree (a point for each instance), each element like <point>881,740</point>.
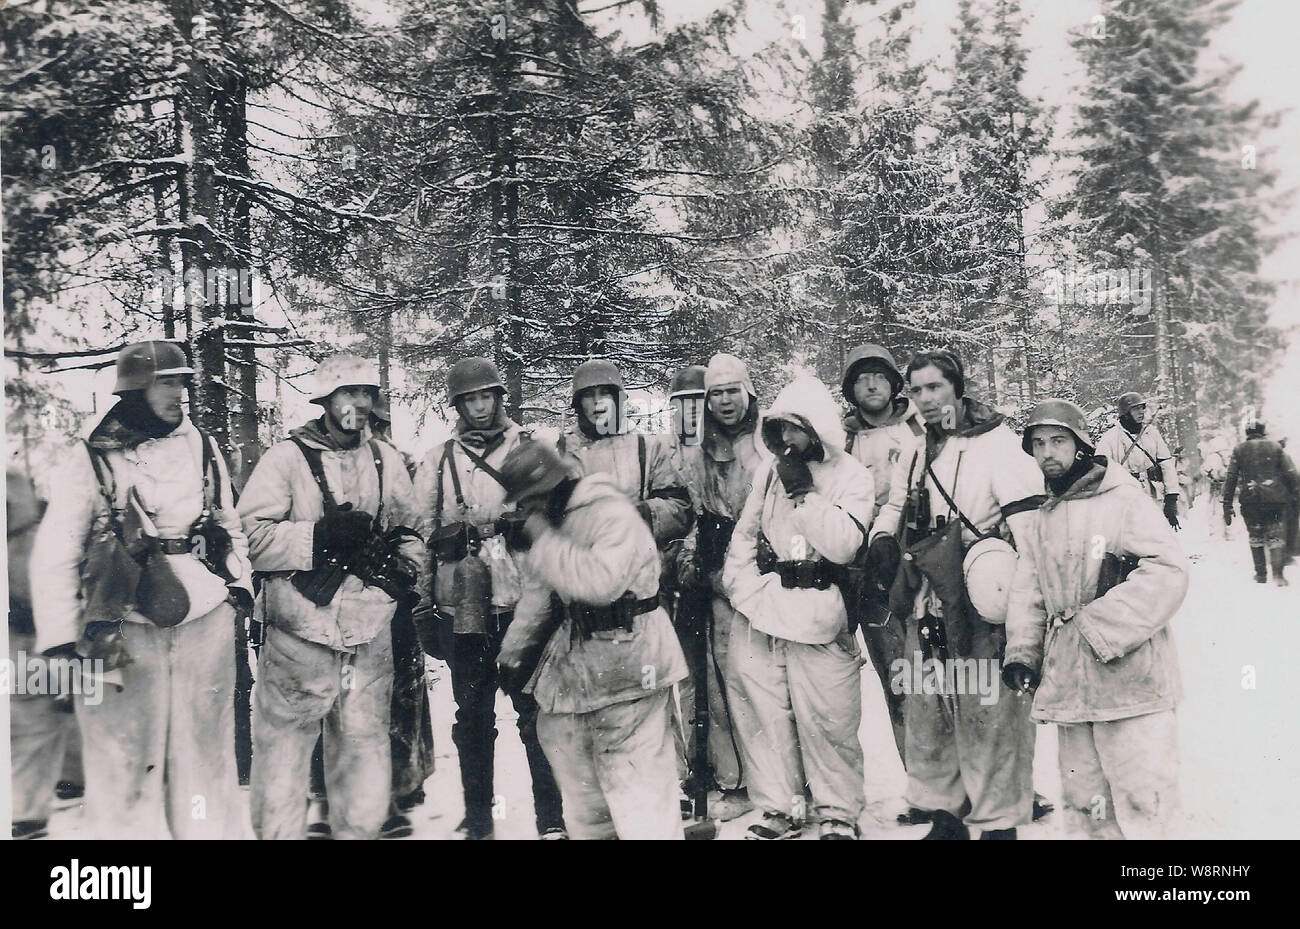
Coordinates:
<point>993,132</point>
<point>1171,181</point>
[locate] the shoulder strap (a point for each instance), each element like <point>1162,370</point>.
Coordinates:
<point>481,463</point>
<point>952,505</point>
<point>455,481</point>
<point>211,473</point>
<point>848,446</point>
<point>379,471</point>
<point>640,457</point>
<point>97,463</point>
<point>312,455</point>
<point>562,444</point>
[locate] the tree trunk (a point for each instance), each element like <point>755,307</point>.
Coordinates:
<point>505,290</point>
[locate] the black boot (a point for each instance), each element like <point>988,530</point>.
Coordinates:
<point>1261,566</point>
<point>946,827</point>
<point>1278,556</point>
<point>998,834</point>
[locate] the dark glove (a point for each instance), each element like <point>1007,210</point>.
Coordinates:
<point>1227,516</point>
<point>242,601</point>
<point>1171,510</point>
<point>1019,677</point>
<point>341,532</point>
<point>689,573</point>
<point>793,472</point>
<point>884,555</point>
<point>105,641</point>
<point>431,629</point>
<point>510,526</point>
<point>644,509</point>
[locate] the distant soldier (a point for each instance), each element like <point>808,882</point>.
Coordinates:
<point>610,657</point>
<point>1269,485</point>
<point>1137,446</point>
<point>1099,578</point>
<point>1214,465</point>
<point>325,512</point>
<point>160,749</point>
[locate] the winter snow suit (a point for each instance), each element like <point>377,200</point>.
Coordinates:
<point>473,650</point>
<point>1108,667</point>
<point>329,663</point>
<point>720,474</point>
<point>604,717</point>
<point>159,752</point>
<point>879,448</point>
<point>793,660</point>
<point>1149,450</point>
<point>983,751</point>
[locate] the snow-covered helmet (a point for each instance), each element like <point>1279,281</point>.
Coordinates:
<point>1057,412</point>
<point>689,381</point>
<point>140,364</point>
<point>471,374</point>
<point>988,568</point>
<point>598,372</point>
<point>873,355</point>
<point>1128,400</point>
<point>343,370</point>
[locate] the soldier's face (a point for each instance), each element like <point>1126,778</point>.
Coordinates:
<point>165,396</point>
<point>350,407</point>
<point>480,407</point>
<point>688,409</point>
<point>1054,449</point>
<point>597,405</point>
<point>729,404</point>
<point>873,391</point>
<point>1138,413</point>
<point>934,395</point>
<point>793,436</point>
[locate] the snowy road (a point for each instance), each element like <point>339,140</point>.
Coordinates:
<point>1240,741</point>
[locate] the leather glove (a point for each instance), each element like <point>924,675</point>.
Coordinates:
<point>1020,678</point>
<point>689,574</point>
<point>1171,510</point>
<point>342,532</point>
<point>510,526</point>
<point>884,555</point>
<point>430,626</point>
<point>1227,516</point>
<point>793,471</point>
<point>105,642</point>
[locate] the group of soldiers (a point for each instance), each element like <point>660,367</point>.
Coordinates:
<point>784,549</point>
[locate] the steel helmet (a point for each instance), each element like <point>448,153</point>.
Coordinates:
<point>1129,400</point>
<point>688,381</point>
<point>1055,412</point>
<point>471,374</point>
<point>531,468</point>
<point>988,568</point>
<point>138,365</point>
<point>343,370</point>
<point>598,372</point>
<point>860,357</point>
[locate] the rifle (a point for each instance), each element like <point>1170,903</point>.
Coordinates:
<point>692,611</point>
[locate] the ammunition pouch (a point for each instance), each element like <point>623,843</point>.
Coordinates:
<point>452,542</point>
<point>378,564</point>
<point>713,537</point>
<point>588,618</point>
<point>1156,474</point>
<point>766,556</point>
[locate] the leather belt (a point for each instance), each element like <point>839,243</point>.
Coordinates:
<point>808,574</point>
<point>176,546</point>
<point>588,618</point>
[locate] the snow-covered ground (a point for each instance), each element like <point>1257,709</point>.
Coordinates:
<point>1240,741</point>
